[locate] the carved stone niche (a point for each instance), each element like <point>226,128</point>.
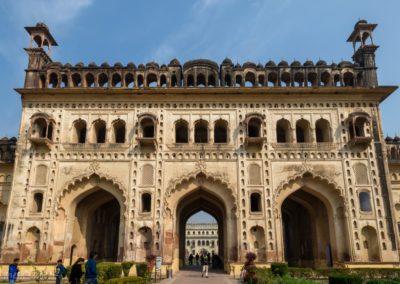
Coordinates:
<point>358,130</point>
<point>147,132</point>
<point>41,130</point>
<point>254,134</point>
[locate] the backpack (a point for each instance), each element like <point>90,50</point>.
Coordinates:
<point>63,271</point>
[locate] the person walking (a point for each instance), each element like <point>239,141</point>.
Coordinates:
<point>60,271</point>
<point>191,259</point>
<point>91,269</point>
<point>204,263</point>
<point>197,258</point>
<point>13,271</point>
<point>76,272</point>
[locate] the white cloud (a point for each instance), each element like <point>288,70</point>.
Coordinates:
<point>54,12</point>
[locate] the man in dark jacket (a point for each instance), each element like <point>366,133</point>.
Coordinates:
<point>13,271</point>
<point>91,270</point>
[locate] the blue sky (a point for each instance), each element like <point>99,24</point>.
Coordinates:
<point>243,30</point>
<point>201,217</point>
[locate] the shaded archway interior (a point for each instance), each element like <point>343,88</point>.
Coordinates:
<point>200,200</point>
<point>96,226</point>
<point>306,233</point>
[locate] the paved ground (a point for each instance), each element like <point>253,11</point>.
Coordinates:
<point>193,276</point>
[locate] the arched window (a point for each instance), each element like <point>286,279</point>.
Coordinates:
<point>207,243</point>
<point>326,78</point>
<point>255,202</point>
<point>174,81</point>
<point>201,131</point>
<point>129,80</point>
<point>190,81</point>
<point>152,80</point>
<point>76,80</point>
<point>250,79</point>
<point>228,81</point>
<point>64,81</point>
<point>283,131</point>
<point>53,80</point>
<point>103,80</point>
<point>147,126</point>
<point>211,81</point>
<point>79,135</point>
<point>322,131</point>
<point>41,175</point>
<point>99,128</point>
<point>199,243</point>
<point>148,175</point>
<point>188,243</point>
<point>39,128</point>
<point>303,134</point>
<point>285,78</point>
<point>272,79</point>
<point>146,202</point>
<point>140,80</point>
<point>299,79</point>
<point>312,79</point>
<point>203,243</point>
<point>163,81</point>
<point>254,127</point>
<point>348,79</point>
<point>181,131</point>
<point>365,201</point>
<point>201,80</point>
<point>254,174</point>
<point>238,81</point>
<point>37,203</point>
<point>116,80</point>
<point>221,131</point>
<point>32,240</point>
<point>89,78</point>
<point>119,131</point>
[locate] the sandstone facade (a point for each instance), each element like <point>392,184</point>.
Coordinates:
<point>289,159</point>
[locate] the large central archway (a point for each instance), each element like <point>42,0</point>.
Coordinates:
<point>200,200</point>
<point>193,193</point>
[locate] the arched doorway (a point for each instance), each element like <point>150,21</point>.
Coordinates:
<point>200,192</point>
<point>200,200</point>
<point>90,217</point>
<point>305,230</point>
<point>96,225</point>
<point>313,226</point>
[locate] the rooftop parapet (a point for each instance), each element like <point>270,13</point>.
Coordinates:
<point>393,149</point>
<point>43,73</point>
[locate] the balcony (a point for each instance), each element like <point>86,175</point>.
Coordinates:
<point>147,142</point>
<point>356,141</point>
<point>41,141</point>
<point>254,142</point>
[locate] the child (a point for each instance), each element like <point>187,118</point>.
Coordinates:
<point>13,271</point>
<point>60,271</point>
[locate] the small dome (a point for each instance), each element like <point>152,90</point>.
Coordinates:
<point>79,64</point>
<point>396,139</point>
<point>13,139</point>
<point>152,65</point>
<point>295,64</point>
<point>270,64</point>
<point>238,66</point>
<point>345,64</point>
<point>92,64</point>
<point>118,64</point>
<point>227,61</point>
<point>334,65</point>
<point>131,65</point>
<point>283,63</point>
<point>356,64</point>
<point>321,63</point>
<point>42,25</point>
<point>260,66</point>
<point>4,138</point>
<point>105,64</point>
<point>308,63</point>
<point>141,66</point>
<point>67,65</point>
<point>388,139</point>
<point>164,67</point>
<point>360,22</point>
<point>174,62</point>
<point>249,65</point>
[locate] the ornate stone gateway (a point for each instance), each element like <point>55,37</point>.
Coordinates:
<point>117,158</point>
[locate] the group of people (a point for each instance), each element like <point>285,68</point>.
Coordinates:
<point>60,271</point>
<point>205,260</point>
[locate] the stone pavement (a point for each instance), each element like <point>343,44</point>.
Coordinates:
<point>193,276</point>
